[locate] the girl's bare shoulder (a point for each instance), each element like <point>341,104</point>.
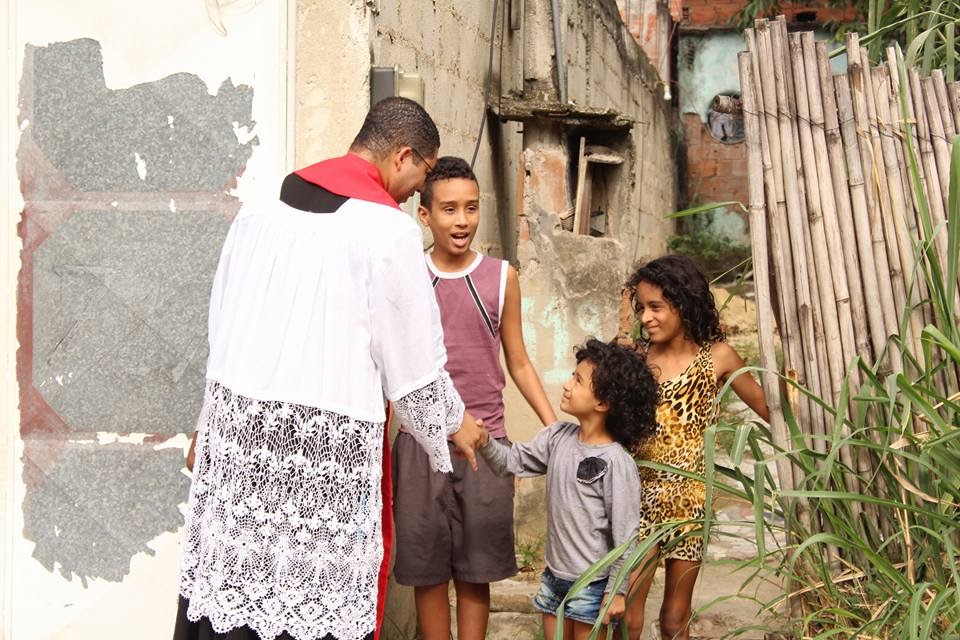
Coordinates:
<point>726,360</point>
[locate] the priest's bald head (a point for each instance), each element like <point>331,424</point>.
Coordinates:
<point>400,139</point>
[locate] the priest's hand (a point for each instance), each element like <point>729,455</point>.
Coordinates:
<point>468,438</point>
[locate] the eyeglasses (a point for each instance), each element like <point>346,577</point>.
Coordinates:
<point>423,160</point>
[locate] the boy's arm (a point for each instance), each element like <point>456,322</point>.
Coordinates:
<point>621,496</point>
<point>515,353</point>
<point>523,459</point>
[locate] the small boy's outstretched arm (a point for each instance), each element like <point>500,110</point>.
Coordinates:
<point>515,352</point>
<point>521,459</point>
<point>727,361</point>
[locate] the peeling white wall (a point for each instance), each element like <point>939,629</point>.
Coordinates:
<point>141,42</point>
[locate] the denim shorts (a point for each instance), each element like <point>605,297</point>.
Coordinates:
<point>583,607</point>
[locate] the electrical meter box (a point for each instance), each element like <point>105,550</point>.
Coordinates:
<point>386,82</point>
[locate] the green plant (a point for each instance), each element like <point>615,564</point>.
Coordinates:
<point>530,553</point>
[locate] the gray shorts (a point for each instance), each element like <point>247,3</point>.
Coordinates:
<point>450,525</point>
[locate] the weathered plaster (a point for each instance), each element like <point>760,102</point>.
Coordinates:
<point>112,301</point>
<point>333,44</point>
<point>130,169</point>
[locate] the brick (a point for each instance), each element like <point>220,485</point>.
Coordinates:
<point>704,169</point>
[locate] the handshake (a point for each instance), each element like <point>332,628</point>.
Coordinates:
<point>471,436</point>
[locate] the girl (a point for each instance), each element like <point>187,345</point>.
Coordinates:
<point>686,351</point>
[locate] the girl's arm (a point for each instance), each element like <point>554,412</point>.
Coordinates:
<point>725,362</point>
<point>515,353</point>
<point>522,459</point>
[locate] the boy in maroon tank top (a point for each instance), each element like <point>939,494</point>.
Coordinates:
<point>459,526</point>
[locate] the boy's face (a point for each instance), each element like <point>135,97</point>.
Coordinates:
<point>577,398</point>
<point>453,215</point>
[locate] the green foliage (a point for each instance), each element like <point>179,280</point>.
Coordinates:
<point>716,255</point>
<point>530,553</point>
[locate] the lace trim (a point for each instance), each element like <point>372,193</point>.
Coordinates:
<point>432,413</point>
<point>283,524</point>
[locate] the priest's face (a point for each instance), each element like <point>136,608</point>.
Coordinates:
<point>407,172</point>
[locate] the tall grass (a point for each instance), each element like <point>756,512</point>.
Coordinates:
<point>896,572</point>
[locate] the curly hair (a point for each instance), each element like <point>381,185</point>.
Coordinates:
<point>448,168</point>
<point>397,122</point>
<point>686,288</point>
<point>623,381</point>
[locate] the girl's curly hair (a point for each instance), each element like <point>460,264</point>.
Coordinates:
<point>687,289</point>
<point>622,379</point>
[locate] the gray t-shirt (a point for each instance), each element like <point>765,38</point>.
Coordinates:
<point>585,520</point>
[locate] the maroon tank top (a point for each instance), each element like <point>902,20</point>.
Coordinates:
<point>471,302</point>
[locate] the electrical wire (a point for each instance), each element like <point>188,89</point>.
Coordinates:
<point>486,84</point>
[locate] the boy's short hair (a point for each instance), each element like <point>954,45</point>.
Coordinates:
<point>623,381</point>
<point>448,168</point>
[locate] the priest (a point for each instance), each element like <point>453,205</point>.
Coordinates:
<point>320,311</point>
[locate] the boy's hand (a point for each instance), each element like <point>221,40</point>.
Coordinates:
<point>467,438</point>
<point>617,607</point>
<point>484,435</point>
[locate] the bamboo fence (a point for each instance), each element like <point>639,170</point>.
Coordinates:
<point>834,223</point>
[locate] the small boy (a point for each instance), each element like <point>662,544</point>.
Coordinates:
<point>593,488</point>
<point>459,526</point>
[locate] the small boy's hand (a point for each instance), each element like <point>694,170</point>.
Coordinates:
<point>617,607</point>
<point>484,435</point>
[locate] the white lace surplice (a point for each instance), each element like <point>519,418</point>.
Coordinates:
<point>284,532</point>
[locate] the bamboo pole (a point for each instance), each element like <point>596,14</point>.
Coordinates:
<point>906,145</point>
<point>902,242</point>
<point>818,255</point>
<point>875,205</point>
<point>858,203</point>
<point>795,216</point>
<point>775,252</point>
<point>953,97</point>
<point>779,238</point>
<point>831,252</point>
<point>943,102</point>
<point>892,206</point>
<point>758,186</point>
<point>841,191</point>
<point>938,138</point>
<point>770,187</point>
<point>828,203</point>
<point>928,164</point>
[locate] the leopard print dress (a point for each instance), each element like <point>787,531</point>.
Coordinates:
<point>687,407</point>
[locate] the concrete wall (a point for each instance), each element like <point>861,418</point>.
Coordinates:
<point>138,131</point>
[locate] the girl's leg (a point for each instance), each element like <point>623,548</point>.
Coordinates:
<point>550,627</point>
<point>581,631</point>
<point>640,581</point>
<point>433,611</point>
<point>678,598</point>
<point>473,609</point>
